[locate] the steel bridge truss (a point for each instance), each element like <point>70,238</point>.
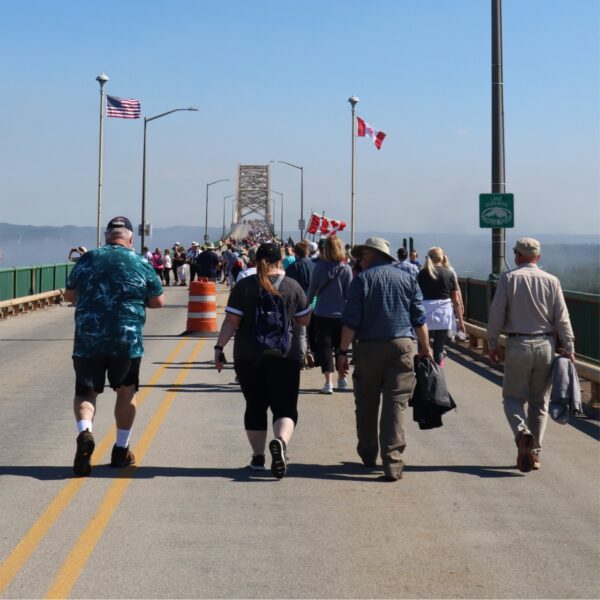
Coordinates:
<point>253,193</point>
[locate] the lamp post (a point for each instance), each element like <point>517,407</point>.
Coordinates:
<point>225,198</point>
<point>281,228</point>
<point>353,102</point>
<point>498,173</point>
<point>301,221</point>
<point>146,121</point>
<point>101,79</point>
<point>206,211</point>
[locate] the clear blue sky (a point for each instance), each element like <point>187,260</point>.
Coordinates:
<point>271,80</point>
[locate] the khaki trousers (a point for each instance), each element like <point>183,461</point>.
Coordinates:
<point>527,380</point>
<point>383,369</point>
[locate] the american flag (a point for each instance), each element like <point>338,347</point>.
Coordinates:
<point>124,108</point>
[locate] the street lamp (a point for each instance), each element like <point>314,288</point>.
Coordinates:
<point>206,212</point>
<point>146,121</point>
<point>225,198</point>
<point>101,79</point>
<point>301,221</point>
<point>353,102</point>
<point>274,192</point>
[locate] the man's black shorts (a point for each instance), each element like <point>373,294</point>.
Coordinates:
<point>90,373</point>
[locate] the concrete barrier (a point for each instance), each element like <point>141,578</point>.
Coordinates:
<point>16,306</point>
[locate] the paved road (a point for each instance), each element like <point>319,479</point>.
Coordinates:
<point>192,521</point>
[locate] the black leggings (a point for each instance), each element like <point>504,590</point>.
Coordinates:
<point>325,334</point>
<point>272,383</point>
<point>439,338</point>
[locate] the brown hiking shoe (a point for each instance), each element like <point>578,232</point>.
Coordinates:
<point>525,457</point>
<point>85,448</point>
<point>121,457</point>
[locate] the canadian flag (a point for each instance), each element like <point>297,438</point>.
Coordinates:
<point>324,225</point>
<point>337,225</point>
<point>313,226</point>
<point>364,129</point>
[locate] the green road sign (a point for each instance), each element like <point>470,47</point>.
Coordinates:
<point>496,210</point>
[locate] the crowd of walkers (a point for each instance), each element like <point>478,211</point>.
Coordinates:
<point>297,306</point>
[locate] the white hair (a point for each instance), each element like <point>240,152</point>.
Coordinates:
<point>118,233</point>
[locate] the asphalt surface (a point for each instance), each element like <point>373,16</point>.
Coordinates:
<point>192,521</point>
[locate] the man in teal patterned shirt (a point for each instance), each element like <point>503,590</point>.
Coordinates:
<point>112,286</point>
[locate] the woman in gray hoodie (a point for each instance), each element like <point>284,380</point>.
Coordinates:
<point>329,283</point>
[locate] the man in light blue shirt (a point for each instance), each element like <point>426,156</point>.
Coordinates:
<point>384,310</point>
<point>404,264</point>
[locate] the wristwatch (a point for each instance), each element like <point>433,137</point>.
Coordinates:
<point>217,347</point>
<point>342,352</point>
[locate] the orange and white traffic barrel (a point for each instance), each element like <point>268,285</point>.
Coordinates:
<point>202,307</point>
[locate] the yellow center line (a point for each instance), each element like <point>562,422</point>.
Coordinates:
<point>75,562</point>
<point>30,541</point>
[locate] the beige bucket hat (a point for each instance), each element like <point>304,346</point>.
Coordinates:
<point>373,243</point>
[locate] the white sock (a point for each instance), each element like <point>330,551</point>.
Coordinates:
<point>123,437</point>
<point>83,425</point>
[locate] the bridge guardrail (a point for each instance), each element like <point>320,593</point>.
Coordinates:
<point>584,311</point>
<point>36,285</point>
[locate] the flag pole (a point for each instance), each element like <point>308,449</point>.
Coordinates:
<point>353,102</point>
<point>101,79</point>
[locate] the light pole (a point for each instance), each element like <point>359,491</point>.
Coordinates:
<point>146,121</point>
<point>301,221</point>
<point>281,228</point>
<point>206,211</point>
<point>225,198</point>
<point>353,102</point>
<point>101,79</point>
<point>498,174</point>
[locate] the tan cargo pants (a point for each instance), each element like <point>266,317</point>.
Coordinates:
<point>383,369</point>
<point>527,379</point>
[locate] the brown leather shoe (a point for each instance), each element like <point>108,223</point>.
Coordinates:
<point>121,457</point>
<point>525,456</point>
<point>85,448</point>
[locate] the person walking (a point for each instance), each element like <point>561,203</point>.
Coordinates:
<point>158,263</point>
<point>112,286</point>
<point>183,268</point>
<point>192,254</point>
<point>529,306</point>
<point>329,283</point>
<point>404,264</point>
<point>384,311</point>
<point>176,262</point>
<point>207,263</point>
<point>168,266</point>
<point>260,311</point>
<point>250,265</point>
<point>301,271</point>
<point>442,300</point>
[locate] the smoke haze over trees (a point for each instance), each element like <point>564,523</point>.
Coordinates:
<point>575,259</point>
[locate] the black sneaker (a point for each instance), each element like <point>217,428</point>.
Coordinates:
<point>258,462</point>
<point>121,457</point>
<point>83,456</point>
<point>279,458</point>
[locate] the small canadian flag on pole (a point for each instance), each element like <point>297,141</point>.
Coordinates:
<point>364,129</point>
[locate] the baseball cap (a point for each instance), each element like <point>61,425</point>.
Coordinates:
<point>527,247</point>
<point>117,222</point>
<point>313,247</point>
<point>269,252</point>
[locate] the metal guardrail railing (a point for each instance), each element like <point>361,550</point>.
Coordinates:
<point>584,310</point>
<point>18,282</point>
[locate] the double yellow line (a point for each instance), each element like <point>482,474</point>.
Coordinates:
<point>76,560</point>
